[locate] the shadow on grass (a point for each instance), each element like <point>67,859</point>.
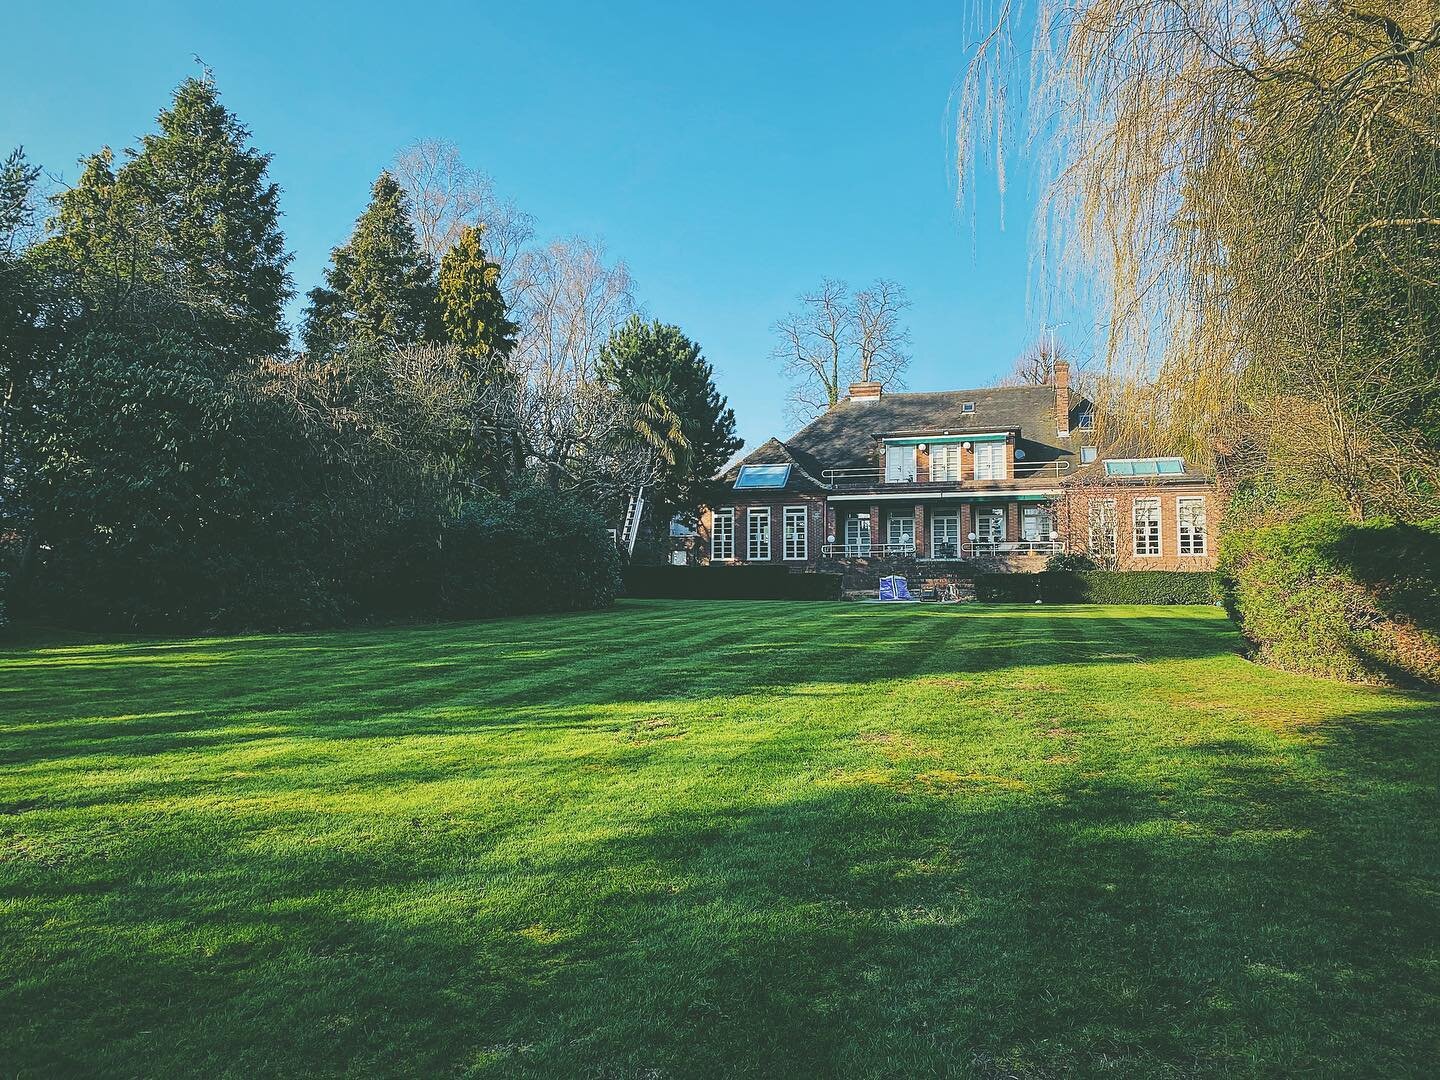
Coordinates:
<point>1246,913</point>
<point>86,700</point>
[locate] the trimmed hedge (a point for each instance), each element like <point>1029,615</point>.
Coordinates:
<point>531,551</point>
<point>1099,587</point>
<point>1327,596</point>
<point>728,583</point>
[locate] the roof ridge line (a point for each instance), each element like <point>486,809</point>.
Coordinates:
<point>796,462</point>
<point>962,390</point>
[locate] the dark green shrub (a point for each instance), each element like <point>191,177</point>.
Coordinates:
<point>728,583</point>
<point>1328,596</point>
<point>531,551</point>
<point>1069,561</point>
<point>1149,587</point>
<point>1099,587</point>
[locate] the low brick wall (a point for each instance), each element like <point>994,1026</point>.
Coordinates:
<point>861,575</point>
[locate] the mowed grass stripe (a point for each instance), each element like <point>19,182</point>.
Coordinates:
<point>716,839</point>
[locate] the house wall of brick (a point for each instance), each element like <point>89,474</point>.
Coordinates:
<point>1072,521</point>
<point>1073,517</point>
<point>815,525</point>
<point>967,460</point>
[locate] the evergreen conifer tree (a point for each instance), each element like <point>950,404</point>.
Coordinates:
<point>671,386</point>
<point>190,219</point>
<point>472,307</point>
<point>380,285</point>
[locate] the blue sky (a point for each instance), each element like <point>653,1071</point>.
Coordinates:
<point>732,155</point>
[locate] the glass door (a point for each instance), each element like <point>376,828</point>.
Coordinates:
<point>945,463</point>
<point>990,461</point>
<point>901,535</point>
<point>945,535</point>
<point>989,528</point>
<point>899,464</point>
<point>857,534</point>
<point>1036,525</point>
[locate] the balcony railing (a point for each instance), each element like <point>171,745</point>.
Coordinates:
<point>968,550</point>
<point>866,551</point>
<point>1020,470</point>
<point>992,548</point>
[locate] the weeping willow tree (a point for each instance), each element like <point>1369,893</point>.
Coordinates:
<point>1248,193</point>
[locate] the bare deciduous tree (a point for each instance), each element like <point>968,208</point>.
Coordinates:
<point>570,431</point>
<point>548,411</point>
<point>446,195</point>
<point>836,338</point>
<point>880,339</point>
<point>1035,366</point>
<point>567,299</point>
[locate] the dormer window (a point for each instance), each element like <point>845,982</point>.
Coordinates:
<point>967,406</point>
<point>1086,422</point>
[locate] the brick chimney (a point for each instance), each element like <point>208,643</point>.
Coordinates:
<point>1062,399</point>
<point>865,391</point>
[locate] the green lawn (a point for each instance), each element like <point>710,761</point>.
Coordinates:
<point>709,839</point>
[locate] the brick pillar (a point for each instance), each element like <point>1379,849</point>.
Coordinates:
<point>1012,521</point>
<point>816,524</point>
<point>921,546</point>
<point>967,526</point>
<point>877,535</point>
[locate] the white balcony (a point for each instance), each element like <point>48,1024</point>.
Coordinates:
<point>979,549</point>
<point>922,476</point>
<point>862,550</point>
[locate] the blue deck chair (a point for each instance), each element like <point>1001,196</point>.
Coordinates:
<point>894,588</point>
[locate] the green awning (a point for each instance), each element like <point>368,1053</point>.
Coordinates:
<point>995,497</point>
<point>931,440</point>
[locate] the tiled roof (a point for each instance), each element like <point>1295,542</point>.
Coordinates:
<point>805,476</point>
<point>844,437</point>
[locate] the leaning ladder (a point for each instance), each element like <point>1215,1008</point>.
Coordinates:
<point>631,529</point>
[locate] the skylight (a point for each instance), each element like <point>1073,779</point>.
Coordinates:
<point>762,476</point>
<point>1165,466</point>
<point>967,406</point>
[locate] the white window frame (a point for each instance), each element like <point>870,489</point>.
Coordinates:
<point>722,541</point>
<point>899,464</point>
<point>1192,537</point>
<point>796,533</point>
<point>1037,513</point>
<point>1085,421</point>
<point>891,536</point>
<point>990,465</point>
<point>1153,534</point>
<point>1088,454</point>
<point>757,543</point>
<point>991,528</point>
<point>945,463</point>
<point>1104,541</point>
<point>941,535</point>
<point>861,544</point>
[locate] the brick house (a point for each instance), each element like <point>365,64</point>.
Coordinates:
<point>937,484</point>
